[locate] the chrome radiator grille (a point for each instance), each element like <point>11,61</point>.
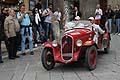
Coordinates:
<point>67,48</point>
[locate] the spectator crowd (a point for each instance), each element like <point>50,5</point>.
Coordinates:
<point>25,29</point>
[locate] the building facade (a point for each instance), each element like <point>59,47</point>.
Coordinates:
<point>87,7</point>
<point>8,3</point>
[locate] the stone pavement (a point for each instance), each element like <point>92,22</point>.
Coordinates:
<point>30,68</point>
<point>5,53</point>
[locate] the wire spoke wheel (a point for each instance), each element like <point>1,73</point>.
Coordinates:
<point>47,59</point>
<point>91,57</point>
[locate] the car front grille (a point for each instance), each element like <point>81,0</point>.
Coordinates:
<point>67,48</point>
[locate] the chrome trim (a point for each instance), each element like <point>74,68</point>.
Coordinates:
<point>72,49</point>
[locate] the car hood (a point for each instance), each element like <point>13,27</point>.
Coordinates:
<point>76,32</point>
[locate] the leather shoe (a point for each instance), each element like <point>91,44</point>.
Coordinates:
<point>12,58</point>
<point>1,61</point>
<point>23,54</point>
<point>17,56</point>
<point>31,53</point>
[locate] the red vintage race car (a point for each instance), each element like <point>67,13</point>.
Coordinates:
<point>76,44</point>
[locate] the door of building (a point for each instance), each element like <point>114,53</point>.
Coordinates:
<point>103,4</point>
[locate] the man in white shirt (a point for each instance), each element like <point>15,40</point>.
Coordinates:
<point>57,13</point>
<point>97,29</point>
<point>98,14</point>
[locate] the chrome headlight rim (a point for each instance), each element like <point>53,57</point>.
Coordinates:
<point>54,43</point>
<point>79,43</point>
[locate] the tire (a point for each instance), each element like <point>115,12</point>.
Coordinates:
<point>47,59</point>
<point>91,57</point>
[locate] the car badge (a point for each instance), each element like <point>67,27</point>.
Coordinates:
<point>66,36</point>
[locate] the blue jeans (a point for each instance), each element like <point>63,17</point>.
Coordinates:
<point>24,36</point>
<point>110,25</point>
<point>118,25</point>
<point>49,31</point>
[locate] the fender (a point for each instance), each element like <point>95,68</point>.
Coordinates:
<point>48,45</point>
<point>56,50</point>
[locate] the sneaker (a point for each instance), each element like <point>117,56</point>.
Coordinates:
<point>31,53</point>
<point>116,33</point>
<point>36,45</point>
<point>119,34</point>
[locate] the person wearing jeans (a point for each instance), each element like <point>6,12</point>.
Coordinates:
<point>109,15</point>
<point>26,29</point>
<point>117,19</point>
<point>110,25</point>
<point>0,53</point>
<point>48,14</point>
<point>118,26</point>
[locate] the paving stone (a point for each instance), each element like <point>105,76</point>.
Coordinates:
<point>30,67</point>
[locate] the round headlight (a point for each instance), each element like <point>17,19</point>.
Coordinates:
<point>79,43</point>
<point>54,43</point>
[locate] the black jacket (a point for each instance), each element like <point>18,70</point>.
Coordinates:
<point>109,14</point>
<point>2,19</point>
<point>117,14</point>
<point>78,14</point>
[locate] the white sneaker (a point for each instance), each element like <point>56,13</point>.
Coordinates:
<point>119,34</point>
<point>116,33</point>
<point>36,45</point>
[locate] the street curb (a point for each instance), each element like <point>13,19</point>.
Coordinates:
<point>19,52</point>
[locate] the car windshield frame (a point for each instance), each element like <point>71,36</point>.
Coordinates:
<point>77,24</point>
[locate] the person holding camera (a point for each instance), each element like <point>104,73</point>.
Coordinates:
<point>26,29</point>
<point>98,14</point>
<point>48,14</point>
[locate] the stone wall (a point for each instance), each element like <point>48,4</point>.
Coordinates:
<point>113,3</point>
<point>26,2</point>
<point>87,8</point>
<point>58,4</point>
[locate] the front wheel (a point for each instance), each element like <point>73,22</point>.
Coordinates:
<point>91,57</point>
<point>47,59</point>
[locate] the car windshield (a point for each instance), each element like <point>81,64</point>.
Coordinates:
<point>77,24</point>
